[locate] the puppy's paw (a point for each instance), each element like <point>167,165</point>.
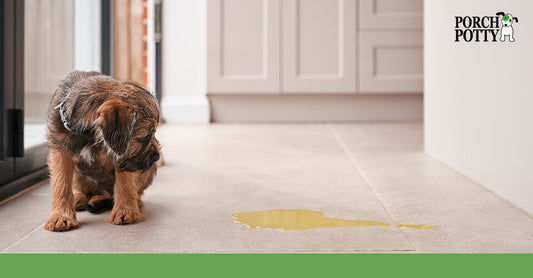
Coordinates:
<point>57,222</point>
<point>122,216</point>
<point>99,203</point>
<point>80,201</point>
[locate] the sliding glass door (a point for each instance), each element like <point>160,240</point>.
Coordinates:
<point>42,41</point>
<point>12,86</point>
<point>48,58</point>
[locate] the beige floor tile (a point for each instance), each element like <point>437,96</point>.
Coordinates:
<point>22,215</point>
<point>214,171</point>
<point>419,189</point>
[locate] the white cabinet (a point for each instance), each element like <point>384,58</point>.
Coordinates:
<point>391,62</point>
<point>390,46</point>
<point>319,46</point>
<point>243,46</point>
<point>314,46</point>
<point>390,14</point>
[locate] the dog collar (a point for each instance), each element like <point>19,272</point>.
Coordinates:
<point>61,107</point>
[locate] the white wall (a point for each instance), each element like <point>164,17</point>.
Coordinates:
<point>184,67</point>
<point>87,35</point>
<point>150,45</point>
<point>479,98</point>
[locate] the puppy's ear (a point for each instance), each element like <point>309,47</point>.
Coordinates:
<point>116,119</point>
<point>500,13</point>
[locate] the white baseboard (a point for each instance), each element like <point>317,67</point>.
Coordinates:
<point>316,107</point>
<point>185,109</point>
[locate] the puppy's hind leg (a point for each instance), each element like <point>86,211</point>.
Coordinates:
<point>80,201</point>
<point>100,203</point>
<point>84,188</point>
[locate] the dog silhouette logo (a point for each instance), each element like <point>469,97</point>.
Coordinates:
<point>507,26</point>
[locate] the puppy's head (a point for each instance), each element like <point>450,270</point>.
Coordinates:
<point>127,127</point>
<point>507,19</point>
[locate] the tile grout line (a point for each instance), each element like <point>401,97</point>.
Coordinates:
<point>355,165</point>
<point>24,237</point>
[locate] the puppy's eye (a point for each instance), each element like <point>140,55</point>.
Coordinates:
<point>145,138</point>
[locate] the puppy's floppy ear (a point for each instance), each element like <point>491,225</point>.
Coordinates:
<point>500,13</point>
<point>116,119</point>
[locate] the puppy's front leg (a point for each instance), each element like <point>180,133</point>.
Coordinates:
<point>63,215</point>
<point>126,208</point>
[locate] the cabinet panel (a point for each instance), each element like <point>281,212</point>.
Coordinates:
<point>391,62</point>
<point>243,46</point>
<point>319,46</point>
<point>391,14</point>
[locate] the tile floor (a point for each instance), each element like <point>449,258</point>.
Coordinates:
<point>372,172</point>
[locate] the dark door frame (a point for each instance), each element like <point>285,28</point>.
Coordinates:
<point>158,32</point>
<point>7,32</point>
<point>106,34</point>
<point>20,167</point>
<point>10,10</point>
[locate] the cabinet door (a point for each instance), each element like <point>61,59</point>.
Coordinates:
<point>243,46</point>
<point>319,46</point>
<point>391,14</point>
<point>391,62</point>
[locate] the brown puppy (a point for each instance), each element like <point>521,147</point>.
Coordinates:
<point>102,146</point>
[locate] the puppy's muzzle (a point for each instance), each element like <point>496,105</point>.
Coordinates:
<point>155,157</point>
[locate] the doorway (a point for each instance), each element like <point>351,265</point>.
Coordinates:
<point>41,42</point>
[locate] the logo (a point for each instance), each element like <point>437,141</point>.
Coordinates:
<point>507,28</point>
<point>485,28</point>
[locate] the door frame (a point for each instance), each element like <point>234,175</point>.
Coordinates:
<point>9,15</point>
<point>20,168</point>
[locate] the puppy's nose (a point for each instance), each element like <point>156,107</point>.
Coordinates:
<point>155,157</point>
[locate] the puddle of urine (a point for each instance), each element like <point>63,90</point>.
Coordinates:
<point>301,219</point>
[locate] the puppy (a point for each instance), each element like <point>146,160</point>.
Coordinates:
<point>507,28</point>
<point>102,146</point>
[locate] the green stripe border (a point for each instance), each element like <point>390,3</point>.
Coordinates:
<point>266,265</point>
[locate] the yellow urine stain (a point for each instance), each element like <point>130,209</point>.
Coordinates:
<point>301,219</point>
<point>420,226</point>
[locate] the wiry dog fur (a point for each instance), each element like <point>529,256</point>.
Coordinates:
<point>108,156</point>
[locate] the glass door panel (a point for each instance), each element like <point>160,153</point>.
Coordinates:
<point>42,42</point>
<point>48,58</point>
